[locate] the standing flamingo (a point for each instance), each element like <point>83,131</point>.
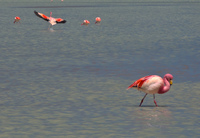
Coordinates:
<point>153,84</point>
<point>98,20</point>
<point>50,19</point>
<point>17,19</point>
<point>85,22</point>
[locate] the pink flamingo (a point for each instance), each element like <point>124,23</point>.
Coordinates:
<point>85,22</point>
<point>153,84</point>
<point>17,19</point>
<point>50,19</point>
<point>98,20</point>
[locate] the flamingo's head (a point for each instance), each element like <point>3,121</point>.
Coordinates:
<point>169,77</point>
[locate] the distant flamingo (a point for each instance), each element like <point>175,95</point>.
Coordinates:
<point>85,22</point>
<point>17,19</point>
<point>50,19</point>
<point>98,20</point>
<point>153,84</point>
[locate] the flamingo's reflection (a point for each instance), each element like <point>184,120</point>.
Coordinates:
<point>157,117</point>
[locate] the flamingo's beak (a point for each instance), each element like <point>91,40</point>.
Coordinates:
<point>171,82</point>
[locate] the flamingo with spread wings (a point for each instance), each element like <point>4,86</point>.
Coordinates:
<point>153,84</point>
<point>50,19</point>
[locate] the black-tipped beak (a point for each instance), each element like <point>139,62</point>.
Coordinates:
<point>171,82</point>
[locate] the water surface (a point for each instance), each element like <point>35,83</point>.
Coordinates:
<point>71,81</point>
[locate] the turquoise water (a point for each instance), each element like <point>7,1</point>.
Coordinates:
<point>71,81</point>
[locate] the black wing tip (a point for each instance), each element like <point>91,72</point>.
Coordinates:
<point>64,21</point>
<point>36,13</point>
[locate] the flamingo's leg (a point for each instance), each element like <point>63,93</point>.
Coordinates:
<point>143,99</point>
<point>154,100</point>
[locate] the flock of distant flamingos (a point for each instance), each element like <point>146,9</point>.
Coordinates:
<point>54,21</point>
<point>152,84</point>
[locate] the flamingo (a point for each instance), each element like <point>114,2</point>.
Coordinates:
<point>50,19</point>
<point>98,20</point>
<point>153,84</point>
<point>17,19</point>
<point>85,22</point>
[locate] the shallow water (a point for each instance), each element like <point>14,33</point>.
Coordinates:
<point>71,81</point>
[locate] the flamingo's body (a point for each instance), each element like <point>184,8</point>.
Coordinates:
<point>17,19</point>
<point>50,19</point>
<point>98,20</point>
<point>85,22</point>
<point>153,84</point>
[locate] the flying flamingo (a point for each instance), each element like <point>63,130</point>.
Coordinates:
<point>153,84</point>
<point>98,20</point>
<point>17,19</point>
<point>50,19</point>
<point>85,22</point>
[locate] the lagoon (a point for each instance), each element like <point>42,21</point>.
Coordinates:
<point>71,81</point>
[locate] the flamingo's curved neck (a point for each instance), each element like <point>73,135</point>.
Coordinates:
<point>50,14</point>
<point>165,88</point>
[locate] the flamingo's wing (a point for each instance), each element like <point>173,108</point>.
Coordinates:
<point>60,20</point>
<point>138,84</point>
<point>44,17</point>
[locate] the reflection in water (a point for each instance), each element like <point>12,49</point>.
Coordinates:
<point>157,117</point>
<point>51,29</point>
